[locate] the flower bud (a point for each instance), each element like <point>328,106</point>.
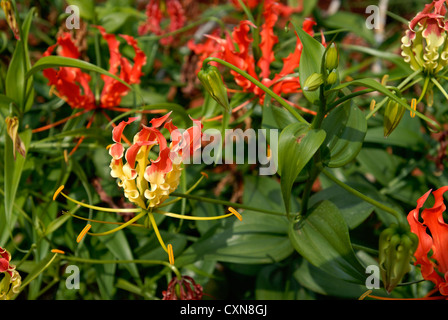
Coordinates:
<point>10,17</point>
<point>392,116</point>
<point>331,58</point>
<point>313,82</point>
<point>212,81</point>
<point>396,248</point>
<point>12,127</point>
<point>332,78</point>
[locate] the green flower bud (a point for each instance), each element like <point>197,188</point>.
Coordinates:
<point>211,79</point>
<point>392,116</point>
<point>331,58</point>
<point>313,82</point>
<point>396,248</point>
<point>332,78</point>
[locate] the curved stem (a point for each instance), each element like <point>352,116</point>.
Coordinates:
<point>258,84</point>
<point>367,199</point>
<point>124,225</point>
<point>96,261</point>
<point>226,203</point>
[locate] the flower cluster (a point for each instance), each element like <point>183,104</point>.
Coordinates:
<point>155,15</point>
<point>432,250</point>
<point>237,50</point>
<point>183,289</point>
<point>10,284</point>
<point>424,44</point>
<point>72,84</point>
<point>152,180</point>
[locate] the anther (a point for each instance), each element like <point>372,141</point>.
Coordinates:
<point>55,195</point>
<point>236,213</point>
<point>83,233</point>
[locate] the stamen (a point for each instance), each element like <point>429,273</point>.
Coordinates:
<point>372,105</point>
<point>55,195</point>
<point>95,207</point>
<point>170,253</point>
<point>179,216</point>
<point>124,225</point>
<point>384,79</point>
<point>365,294</point>
<point>413,107</point>
<point>100,221</point>
<point>204,174</point>
<point>236,213</point>
<point>83,232</point>
<point>156,231</point>
<point>57,251</point>
<point>65,156</point>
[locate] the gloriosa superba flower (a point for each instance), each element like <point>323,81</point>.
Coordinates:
<point>153,180</point>
<point>11,281</point>
<point>147,182</point>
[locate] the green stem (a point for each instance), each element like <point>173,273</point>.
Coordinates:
<point>97,261</point>
<point>307,192</point>
<point>226,203</point>
<point>347,97</point>
<point>259,84</point>
<point>366,198</point>
<point>439,86</point>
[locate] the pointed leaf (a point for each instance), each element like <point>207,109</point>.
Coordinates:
<point>55,61</point>
<point>310,62</point>
<point>346,128</point>
<point>323,239</point>
<point>297,145</point>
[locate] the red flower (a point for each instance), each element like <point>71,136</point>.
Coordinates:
<point>154,15</point>
<point>432,22</point>
<point>183,289</point>
<point>72,84</point>
<point>5,258</point>
<point>144,179</point>
<point>11,282</point>
<point>237,50</point>
<point>432,250</point>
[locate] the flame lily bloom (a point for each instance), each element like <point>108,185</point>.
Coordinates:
<point>184,288</point>
<point>424,44</point>
<point>72,84</point>
<point>432,250</point>
<point>154,14</point>
<point>10,284</point>
<point>237,50</point>
<point>148,182</point>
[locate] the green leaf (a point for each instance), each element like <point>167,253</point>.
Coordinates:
<point>258,239</point>
<point>310,62</point>
<point>13,171</point>
<point>321,282</point>
<point>297,145</point>
<point>55,61</point>
<point>353,209</point>
<point>346,128</point>
<point>354,21</point>
<point>86,8</point>
<point>323,239</point>
<point>117,243</point>
<point>275,283</point>
<point>17,86</point>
